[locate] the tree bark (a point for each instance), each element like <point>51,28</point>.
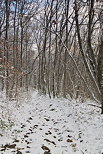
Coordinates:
<point>100,56</point>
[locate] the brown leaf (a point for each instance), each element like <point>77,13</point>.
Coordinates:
<point>69,136</point>
<point>46,119</point>
<point>46,152</point>
<point>10,146</point>
<point>19,152</point>
<point>50,141</point>
<point>52,109</point>
<point>20,149</point>
<point>45,148</point>
<point>16,140</point>
<point>69,140</point>
<point>2,150</point>
<point>30,118</point>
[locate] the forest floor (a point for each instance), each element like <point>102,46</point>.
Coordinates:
<point>40,125</point>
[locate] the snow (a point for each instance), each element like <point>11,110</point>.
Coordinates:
<point>40,125</point>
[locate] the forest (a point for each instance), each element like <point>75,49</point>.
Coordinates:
<point>54,46</point>
<point>51,76</point>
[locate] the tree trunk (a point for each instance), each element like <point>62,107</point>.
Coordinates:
<point>6,47</point>
<point>100,56</point>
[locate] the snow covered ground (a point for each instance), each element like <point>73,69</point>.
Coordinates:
<point>50,126</point>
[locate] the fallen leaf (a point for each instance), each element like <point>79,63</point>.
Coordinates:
<point>45,148</point>
<point>16,140</point>
<point>28,147</point>
<point>69,136</point>
<point>19,152</point>
<point>69,140</point>
<point>10,146</point>
<point>1,135</point>
<point>30,118</point>
<point>20,149</point>
<point>46,119</point>
<point>52,109</point>
<point>50,141</point>
<point>81,140</point>
<point>26,136</point>
<point>61,139</point>
<point>46,152</point>
<point>2,150</point>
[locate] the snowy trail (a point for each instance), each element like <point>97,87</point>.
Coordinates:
<point>56,126</point>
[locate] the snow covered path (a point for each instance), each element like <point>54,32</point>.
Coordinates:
<point>56,126</point>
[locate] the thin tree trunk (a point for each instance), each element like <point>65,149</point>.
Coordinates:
<point>6,47</point>
<point>65,55</point>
